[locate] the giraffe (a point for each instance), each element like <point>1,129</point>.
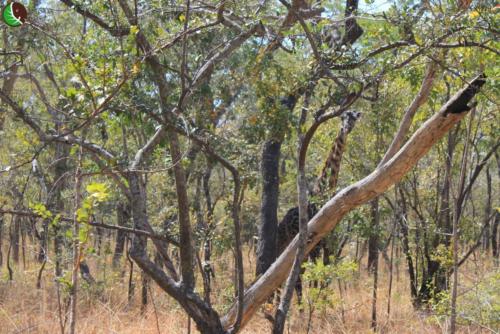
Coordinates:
<point>332,163</point>
<point>327,180</point>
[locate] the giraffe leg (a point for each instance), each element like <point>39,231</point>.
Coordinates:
<point>278,296</point>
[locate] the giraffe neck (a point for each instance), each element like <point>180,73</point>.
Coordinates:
<point>330,172</point>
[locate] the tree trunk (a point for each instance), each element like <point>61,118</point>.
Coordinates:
<point>266,246</point>
<point>207,245</point>
<point>44,237</point>
<point>185,232</point>
<point>373,241</point>
<point>294,276</point>
<point>144,292</point>
<point>122,217</point>
<point>1,240</point>
<point>73,293</point>
<point>459,202</point>
<point>373,252</point>
<point>391,268</point>
<point>494,236</point>
<point>405,243</point>
<point>494,228</point>
<point>14,239</point>
<point>56,203</point>
<point>485,238</point>
<point>435,279</point>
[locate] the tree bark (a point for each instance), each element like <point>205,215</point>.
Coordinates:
<point>56,203</point>
<point>266,246</point>
<point>73,295</point>
<point>373,240</point>
<point>373,252</point>
<point>405,243</point>
<point>144,292</point>
<point>1,239</point>
<point>122,216</point>
<point>456,219</point>
<point>303,203</point>
<point>495,247</point>
<point>494,237</point>
<point>485,237</point>
<point>435,279</point>
<point>14,239</point>
<point>185,232</point>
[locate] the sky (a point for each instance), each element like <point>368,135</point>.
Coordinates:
<point>377,6</point>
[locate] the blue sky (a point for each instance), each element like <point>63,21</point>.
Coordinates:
<point>377,6</point>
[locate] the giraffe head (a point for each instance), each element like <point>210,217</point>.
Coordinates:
<point>349,118</point>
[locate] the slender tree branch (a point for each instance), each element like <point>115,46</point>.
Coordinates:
<point>114,31</point>
<point>95,224</point>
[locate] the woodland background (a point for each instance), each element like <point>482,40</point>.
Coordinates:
<point>148,150</point>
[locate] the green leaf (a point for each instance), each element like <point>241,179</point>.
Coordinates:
<point>98,191</point>
<point>83,234</point>
<point>134,30</point>
<point>41,210</point>
<point>82,215</point>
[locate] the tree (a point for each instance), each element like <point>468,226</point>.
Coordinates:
<point>147,104</point>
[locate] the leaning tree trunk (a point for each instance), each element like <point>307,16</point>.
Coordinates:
<point>266,246</point>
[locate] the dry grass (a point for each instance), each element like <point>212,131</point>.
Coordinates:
<point>24,309</point>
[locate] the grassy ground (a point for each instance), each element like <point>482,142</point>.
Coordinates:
<point>106,309</point>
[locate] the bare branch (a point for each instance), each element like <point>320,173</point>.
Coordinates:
<point>114,31</point>
<point>420,99</point>
<point>95,224</point>
<point>223,54</point>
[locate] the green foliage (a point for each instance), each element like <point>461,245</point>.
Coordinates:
<point>223,241</point>
<point>41,210</point>
<point>97,193</point>
<point>325,274</point>
<point>479,304</point>
<point>318,276</point>
<point>65,282</point>
<point>443,255</point>
<point>440,304</point>
<point>273,78</point>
